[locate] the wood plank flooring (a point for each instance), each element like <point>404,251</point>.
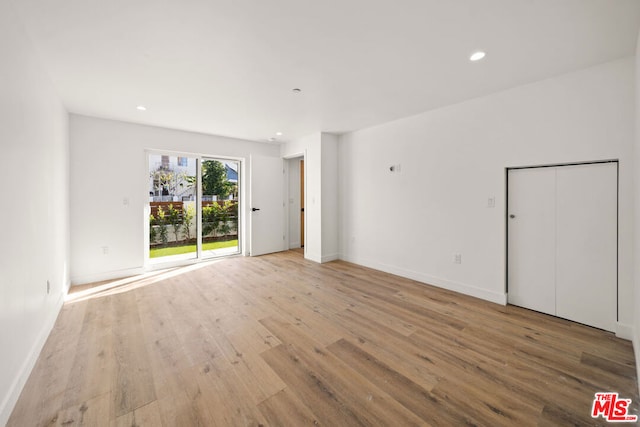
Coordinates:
<point>277,340</point>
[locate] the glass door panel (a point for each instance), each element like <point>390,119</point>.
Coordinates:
<point>220,195</point>
<point>173,225</point>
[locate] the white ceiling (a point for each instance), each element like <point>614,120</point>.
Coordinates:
<point>228,67</point>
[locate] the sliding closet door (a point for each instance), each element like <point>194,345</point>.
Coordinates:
<point>587,244</point>
<point>531,222</point>
<point>562,243</point>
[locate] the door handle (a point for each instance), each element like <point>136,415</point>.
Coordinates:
<point>255,209</point>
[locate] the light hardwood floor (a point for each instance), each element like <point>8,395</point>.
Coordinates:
<point>277,340</point>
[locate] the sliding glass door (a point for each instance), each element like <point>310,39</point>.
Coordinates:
<point>193,207</point>
<point>219,206</point>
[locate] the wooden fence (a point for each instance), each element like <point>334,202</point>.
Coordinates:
<point>165,207</point>
<point>231,214</point>
<point>179,206</point>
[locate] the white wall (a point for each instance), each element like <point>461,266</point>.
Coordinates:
<point>109,165</point>
<point>329,197</point>
<point>35,235</point>
<point>321,206</point>
<point>453,159</point>
<point>636,194</point>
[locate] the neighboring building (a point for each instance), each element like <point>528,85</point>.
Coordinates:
<point>171,177</point>
<point>232,172</point>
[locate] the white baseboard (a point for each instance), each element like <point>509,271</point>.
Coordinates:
<point>331,257</point>
<point>10,399</point>
<point>294,245</point>
<point>313,257</point>
<point>624,331</point>
<point>108,275</point>
<point>463,288</point>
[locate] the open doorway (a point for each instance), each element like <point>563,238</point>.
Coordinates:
<point>296,188</point>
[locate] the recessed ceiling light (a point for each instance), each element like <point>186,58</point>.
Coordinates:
<point>477,56</point>
<point>141,108</point>
<point>278,133</point>
<point>296,90</point>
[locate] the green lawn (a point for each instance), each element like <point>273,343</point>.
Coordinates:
<point>177,250</point>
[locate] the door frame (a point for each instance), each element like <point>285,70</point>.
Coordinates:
<point>242,235</point>
<point>302,192</point>
<point>553,165</point>
<point>300,156</point>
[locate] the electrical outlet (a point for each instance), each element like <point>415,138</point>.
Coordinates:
<point>105,250</point>
<point>491,202</point>
<point>457,258</point>
<point>48,287</point>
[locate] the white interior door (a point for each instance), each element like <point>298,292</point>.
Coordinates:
<point>531,221</point>
<point>266,208</point>
<point>586,272</point>
<point>562,254</point>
